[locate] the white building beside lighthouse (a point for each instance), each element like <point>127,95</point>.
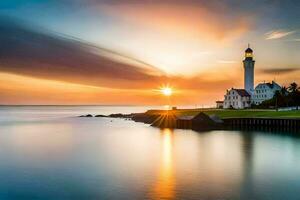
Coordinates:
<point>264,91</point>
<point>237,99</point>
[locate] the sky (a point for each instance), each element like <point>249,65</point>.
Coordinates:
<point>120,52</point>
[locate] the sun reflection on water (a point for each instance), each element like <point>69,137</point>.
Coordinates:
<point>165,185</point>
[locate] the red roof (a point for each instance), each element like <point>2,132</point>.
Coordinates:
<point>243,92</point>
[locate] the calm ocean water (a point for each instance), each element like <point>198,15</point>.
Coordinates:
<point>49,153</point>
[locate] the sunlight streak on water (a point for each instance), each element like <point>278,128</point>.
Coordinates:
<point>165,186</point>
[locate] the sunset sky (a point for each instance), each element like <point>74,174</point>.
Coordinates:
<point>122,51</point>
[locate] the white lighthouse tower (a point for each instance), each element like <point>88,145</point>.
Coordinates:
<point>249,70</point>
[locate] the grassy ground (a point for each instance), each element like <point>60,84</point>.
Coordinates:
<point>234,113</point>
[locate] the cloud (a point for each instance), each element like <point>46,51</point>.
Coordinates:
<point>182,20</point>
<point>36,53</point>
<point>296,40</point>
<point>280,70</point>
<point>277,34</point>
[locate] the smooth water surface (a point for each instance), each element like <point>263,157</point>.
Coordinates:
<point>49,153</point>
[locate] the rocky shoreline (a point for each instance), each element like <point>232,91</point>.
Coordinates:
<point>200,121</point>
<point>137,117</point>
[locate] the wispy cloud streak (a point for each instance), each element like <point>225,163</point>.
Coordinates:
<point>277,34</point>
<point>282,70</point>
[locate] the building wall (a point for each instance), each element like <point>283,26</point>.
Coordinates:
<point>263,92</point>
<point>232,98</point>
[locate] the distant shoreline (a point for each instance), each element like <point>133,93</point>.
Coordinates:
<point>222,113</point>
<point>216,119</point>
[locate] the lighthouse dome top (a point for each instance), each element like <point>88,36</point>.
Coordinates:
<point>249,50</point>
<point>249,53</point>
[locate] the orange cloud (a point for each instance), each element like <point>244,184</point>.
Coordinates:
<point>180,39</point>
<point>183,21</point>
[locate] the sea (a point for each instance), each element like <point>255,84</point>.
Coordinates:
<point>48,152</point>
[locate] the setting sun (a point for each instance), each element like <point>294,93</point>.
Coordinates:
<point>167,91</point>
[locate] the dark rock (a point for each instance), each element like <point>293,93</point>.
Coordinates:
<point>88,115</point>
<point>203,122</point>
<point>165,121</point>
<point>145,118</point>
<point>120,115</point>
<point>100,116</point>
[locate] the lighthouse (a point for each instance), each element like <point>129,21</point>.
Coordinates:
<point>249,70</point>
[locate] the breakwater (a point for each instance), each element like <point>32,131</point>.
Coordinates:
<point>211,122</point>
<point>264,124</point>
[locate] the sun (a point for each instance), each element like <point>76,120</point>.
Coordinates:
<point>167,91</point>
